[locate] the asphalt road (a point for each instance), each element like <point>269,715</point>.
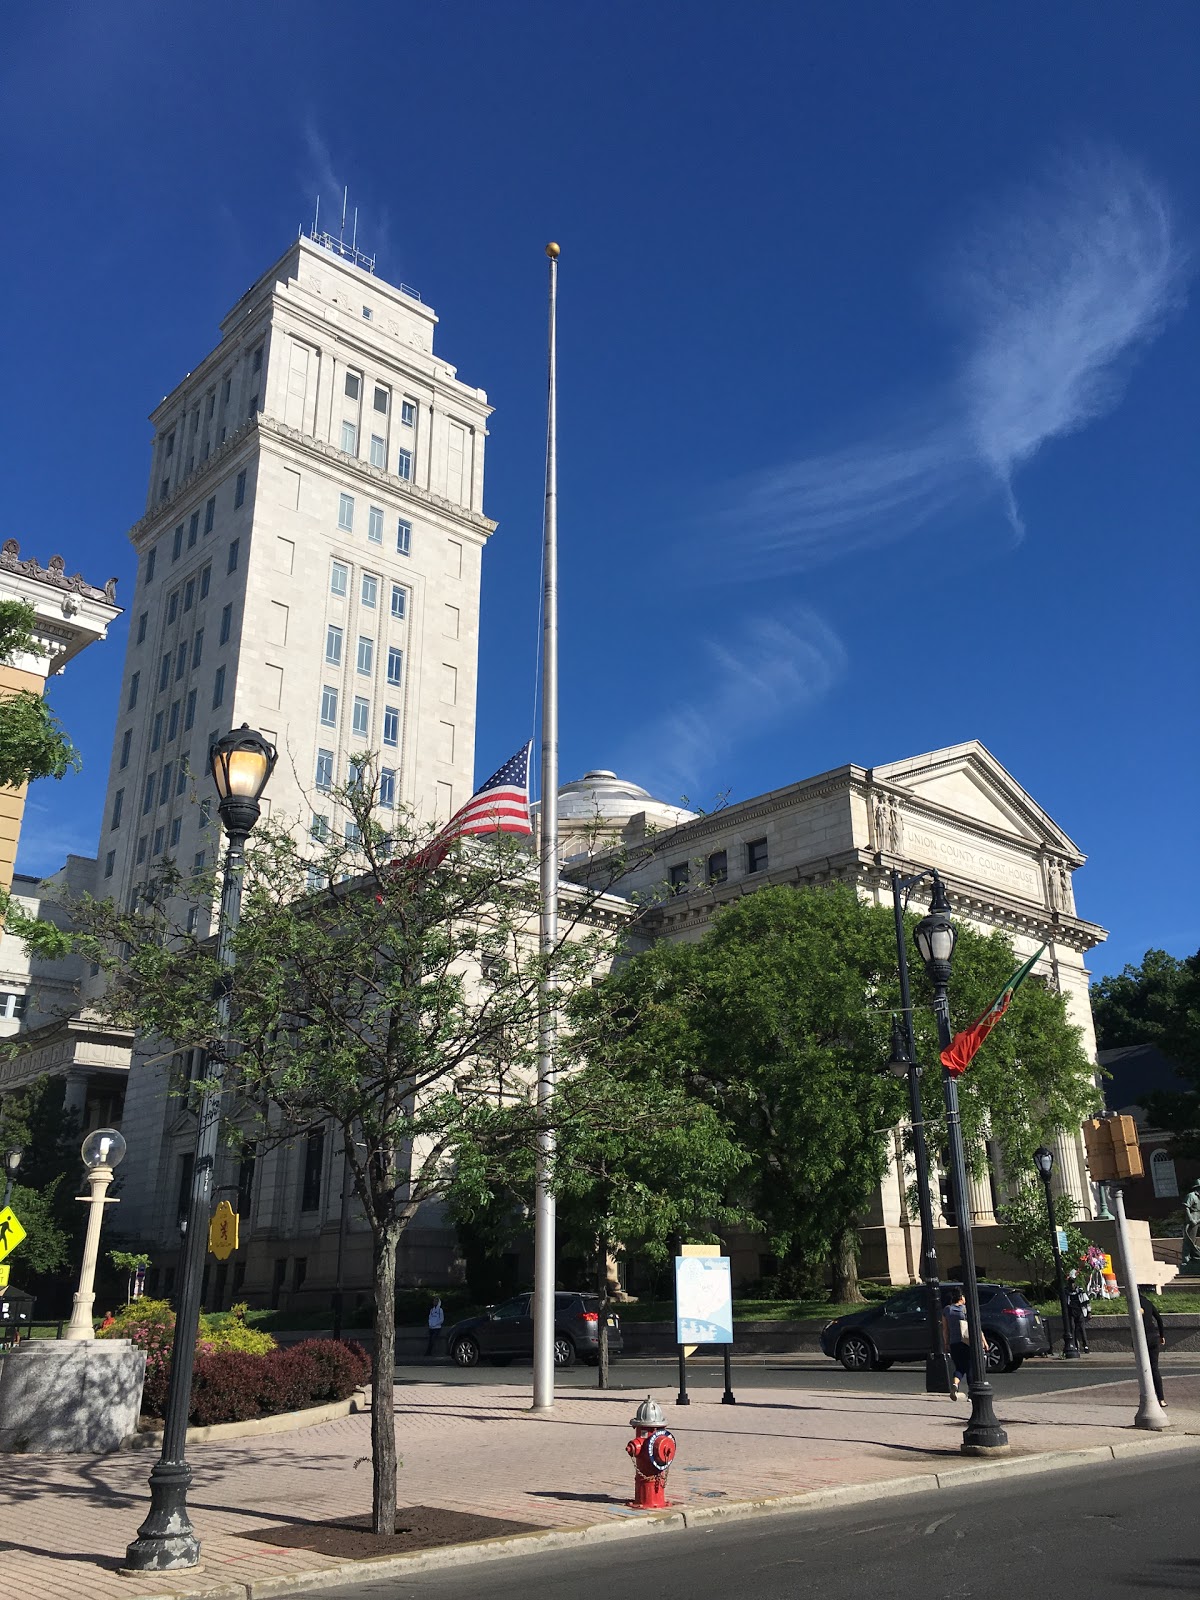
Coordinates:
<point>799,1372</point>
<point>1108,1531</point>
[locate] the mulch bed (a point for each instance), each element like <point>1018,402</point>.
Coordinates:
<point>417,1528</point>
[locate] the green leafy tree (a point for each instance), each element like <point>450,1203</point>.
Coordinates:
<point>779,1020</point>
<point>1158,1003</point>
<point>637,1159</point>
<point>395,1003</point>
<point>1029,1233</point>
<point>128,1262</point>
<point>32,742</point>
<point>35,1120</point>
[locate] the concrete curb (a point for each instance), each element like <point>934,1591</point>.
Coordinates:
<point>281,1422</point>
<point>522,1544</point>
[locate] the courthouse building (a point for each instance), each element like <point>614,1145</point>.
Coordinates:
<point>309,562</point>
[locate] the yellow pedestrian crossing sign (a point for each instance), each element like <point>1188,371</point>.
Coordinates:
<point>11,1232</point>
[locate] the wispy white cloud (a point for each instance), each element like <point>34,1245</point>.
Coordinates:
<point>50,833</point>
<point>1050,293</point>
<point>324,175</point>
<point>774,668</point>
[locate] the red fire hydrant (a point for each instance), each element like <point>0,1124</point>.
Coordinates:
<point>653,1450</point>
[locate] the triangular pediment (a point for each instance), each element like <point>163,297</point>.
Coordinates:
<point>967,782</point>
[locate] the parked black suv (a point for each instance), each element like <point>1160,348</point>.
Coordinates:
<point>897,1329</point>
<point>501,1332</point>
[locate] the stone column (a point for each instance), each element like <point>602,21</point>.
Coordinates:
<point>979,1194</point>
<point>1068,1175</point>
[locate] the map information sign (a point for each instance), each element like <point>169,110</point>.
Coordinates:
<point>703,1300</point>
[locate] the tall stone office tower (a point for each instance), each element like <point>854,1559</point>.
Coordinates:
<point>308,563</point>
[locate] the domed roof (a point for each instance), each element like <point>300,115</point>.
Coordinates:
<point>602,796</point>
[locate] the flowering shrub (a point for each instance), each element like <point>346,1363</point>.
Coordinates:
<point>231,1385</point>
<point>239,1372</point>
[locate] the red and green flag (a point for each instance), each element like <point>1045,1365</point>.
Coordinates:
<point>962,1050</point>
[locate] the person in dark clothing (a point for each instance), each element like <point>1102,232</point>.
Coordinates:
<point>1155,1335</point>
<point>1078,1301</point>
<point>958,1337</point>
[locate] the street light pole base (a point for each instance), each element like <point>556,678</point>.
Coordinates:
<point>983,1435</point>
<point>166,1541</point>
<point>1152,1417</point>
<point>937,1374</point>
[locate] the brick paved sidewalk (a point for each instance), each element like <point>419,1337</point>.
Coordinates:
<point>65,1521</point>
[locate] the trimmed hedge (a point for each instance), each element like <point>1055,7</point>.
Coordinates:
<point>235,1385</point>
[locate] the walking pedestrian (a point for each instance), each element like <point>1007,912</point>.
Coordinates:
<point>958,1337</point>
<point>436,1318</point>
<point>1078,1311</point>
<point>1156,1336</point>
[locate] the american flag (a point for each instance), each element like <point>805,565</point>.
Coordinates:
<point>501,805</point>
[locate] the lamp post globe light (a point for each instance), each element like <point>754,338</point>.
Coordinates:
<point>102,1151</point>
<point>936,937</point>
<point>903,1064</point>
<point>12,1165</point>
<point>1043,1160</point>
<point>241,764</point>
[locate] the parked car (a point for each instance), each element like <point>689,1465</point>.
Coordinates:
<point>501,1332</point>
<point>897,1329</point>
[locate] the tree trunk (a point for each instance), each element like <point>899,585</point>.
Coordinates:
<point>845,1289</point>
<point>602,1290</point>
<point>383,1383</point>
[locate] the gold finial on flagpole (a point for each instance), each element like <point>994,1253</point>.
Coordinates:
<point>553,251</point>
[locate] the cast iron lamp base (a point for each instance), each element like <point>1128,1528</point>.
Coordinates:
<point>166,1540</point>
<point>983,1435</point>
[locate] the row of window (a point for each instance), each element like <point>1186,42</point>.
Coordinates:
<point>716,868</point>
<point>360,725</point>
<point>377,451</point>
<point>339,584</point>
<point>326,772</point>
<point>365,660</point>
<point>382,399</point>
<point>190,529</point>
<point>218,699</point>
<point>374,524</point>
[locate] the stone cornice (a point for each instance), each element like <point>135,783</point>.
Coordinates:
<point>917,806</point>
<point>165,510</point>
<point>955,758</point>
<point>863,868</point>
<point>55,575</point>
<point>475,521</point>
<point>154,522</point>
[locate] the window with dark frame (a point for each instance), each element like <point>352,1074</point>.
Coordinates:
<point>718,867</point>
<point>756,855</point>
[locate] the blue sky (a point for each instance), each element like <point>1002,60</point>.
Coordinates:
<point>878,349</point>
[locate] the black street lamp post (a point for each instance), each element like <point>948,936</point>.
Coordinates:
<point>903,1064</point>
<point>935,935</point>
<point>241,764</point>
<point>1043,1159</point>
<point>12,1165</point>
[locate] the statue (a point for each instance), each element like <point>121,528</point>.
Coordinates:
<point>1191,1232</point>
<point>888,827</point>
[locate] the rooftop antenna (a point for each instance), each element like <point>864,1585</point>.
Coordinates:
<point>338,247</point>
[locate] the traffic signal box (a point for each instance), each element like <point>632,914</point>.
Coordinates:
<point>1113,1151</point>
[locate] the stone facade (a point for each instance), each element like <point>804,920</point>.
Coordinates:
<point>69,614</point>
<point>1007,865</point>
<point>309,563</point>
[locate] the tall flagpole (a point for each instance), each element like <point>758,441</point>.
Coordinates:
<point>543,1223</point>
